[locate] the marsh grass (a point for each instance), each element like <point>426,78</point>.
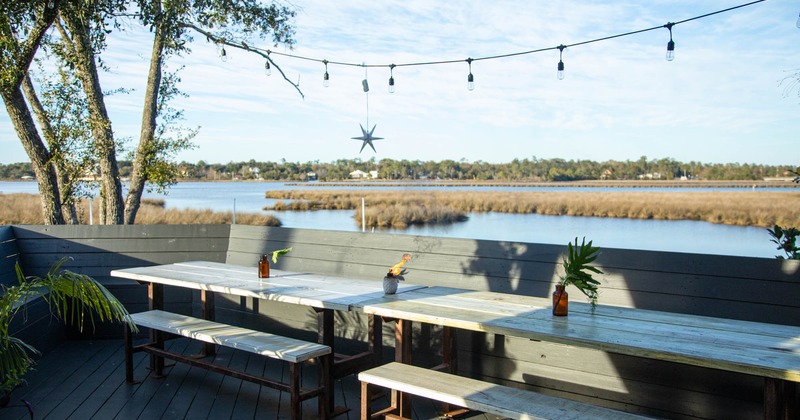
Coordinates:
<point>740,208</point>
<point>25,209</point>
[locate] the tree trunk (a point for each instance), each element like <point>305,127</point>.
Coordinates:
<point>147,134</point>
<point>25,127</point>
<point>64,183</point>
<point>86,69</point>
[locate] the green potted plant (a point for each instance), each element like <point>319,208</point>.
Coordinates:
<point>73,298</point>
<point>577,272</point>
<point>263,263</point>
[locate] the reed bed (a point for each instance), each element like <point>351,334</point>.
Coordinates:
<point>26,209</point>
<point>740,208</point>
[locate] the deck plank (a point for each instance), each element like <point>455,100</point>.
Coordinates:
<point>86,380</point>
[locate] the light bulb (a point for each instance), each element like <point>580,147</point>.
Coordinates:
<point>471,82</point>
<point>670,50</point>
<point>51,4</point>
<point>267,68</point>
<point>391,85</point>
<point>326,81</point>
<point>560,73</point>
<point>222,54</point>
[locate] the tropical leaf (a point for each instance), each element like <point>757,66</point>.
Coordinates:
<point>578,271</point>
<point>279,253</point>
<point>74,298</point>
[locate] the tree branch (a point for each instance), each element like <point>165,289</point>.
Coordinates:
<point>245,47</point>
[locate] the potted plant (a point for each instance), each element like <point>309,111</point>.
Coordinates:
<point>72,298</point>
<point>577,272</point>
<point>263,263</point>
<point>395,275</point>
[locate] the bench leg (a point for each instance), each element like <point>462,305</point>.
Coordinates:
<point>128,355</point>
<point>366,401</point>
<point>294,384</point>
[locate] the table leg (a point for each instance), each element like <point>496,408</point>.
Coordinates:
<point>155,296</point>
<point>207,311</point>
<point>376,338</point>
<point>402,337</point>
<point>326,335</point>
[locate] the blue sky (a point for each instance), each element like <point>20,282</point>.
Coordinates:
<point>720,100</point>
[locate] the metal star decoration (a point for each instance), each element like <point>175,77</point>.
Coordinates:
<point>367,138</point>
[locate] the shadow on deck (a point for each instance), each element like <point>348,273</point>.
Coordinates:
<point>86,380</point>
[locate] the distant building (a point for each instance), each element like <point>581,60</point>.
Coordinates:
<point>373,174</point>
<point>311,176</point>
<point>358,174</point>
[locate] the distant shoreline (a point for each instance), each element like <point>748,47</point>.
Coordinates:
<point>544,184</point>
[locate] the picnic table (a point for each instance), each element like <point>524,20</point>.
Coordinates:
<point>766,350</point>
<point>326,294</point>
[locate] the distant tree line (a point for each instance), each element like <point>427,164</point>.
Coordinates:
<point>532,169</point>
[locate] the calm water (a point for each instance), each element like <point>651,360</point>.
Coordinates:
<point>658,235</point>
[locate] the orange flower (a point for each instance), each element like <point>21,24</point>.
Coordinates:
<point>397,269</point>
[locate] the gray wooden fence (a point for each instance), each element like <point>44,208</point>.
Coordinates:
<point>756,289</point>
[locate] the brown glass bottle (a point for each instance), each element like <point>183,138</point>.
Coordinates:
<point>263,267</point>
<point>560,301</point>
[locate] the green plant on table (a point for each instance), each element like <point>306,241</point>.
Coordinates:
<point>73,298</point>
<point>786,239</point>
<point>578,272</point>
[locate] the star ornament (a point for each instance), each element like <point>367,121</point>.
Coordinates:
<point>367,138</point>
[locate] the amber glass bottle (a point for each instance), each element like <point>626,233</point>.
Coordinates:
<point>560,301</point>
<point>263,267</point>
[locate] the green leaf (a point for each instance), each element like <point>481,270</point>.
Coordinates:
<point>279,253</point>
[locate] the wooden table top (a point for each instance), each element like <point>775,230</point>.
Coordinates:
<point>319,291</point>
<point>760,349</point>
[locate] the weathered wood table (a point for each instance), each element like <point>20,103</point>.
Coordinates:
<point>766,350</point>
<point>325,294</point>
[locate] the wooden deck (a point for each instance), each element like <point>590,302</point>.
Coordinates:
<point>86,380</point>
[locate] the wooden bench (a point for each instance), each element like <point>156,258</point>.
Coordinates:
<point>474,395</point>
<point>273,346</point>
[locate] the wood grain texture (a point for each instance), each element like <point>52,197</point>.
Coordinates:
<point>265,344</point>
<point>483,396</point>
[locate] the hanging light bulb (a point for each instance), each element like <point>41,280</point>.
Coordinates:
<point>391,78</point>
<point>222,54</point>
<point>560,73</point>
<point>470,77</point>
<point>326,80</point>
<point>267,68</point>
<point>671,44</point>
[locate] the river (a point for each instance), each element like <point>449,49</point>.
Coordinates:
<point>656,235</point>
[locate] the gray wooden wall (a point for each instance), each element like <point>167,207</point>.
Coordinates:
<point>96,250</point>
<point>742,288</point>
<point>755,289</point>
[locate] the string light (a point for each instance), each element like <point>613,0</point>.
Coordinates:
<point>560,73</point>
<point>222,55</point>
<point>391,78</point>
<point>267,67</point>
<point>671,43</point>
<point>470,77</point>
<point>560,48</point>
